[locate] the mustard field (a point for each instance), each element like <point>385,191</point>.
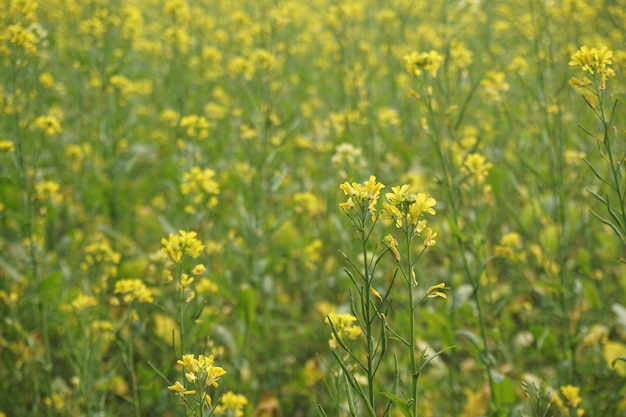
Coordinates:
<point>334,208</point>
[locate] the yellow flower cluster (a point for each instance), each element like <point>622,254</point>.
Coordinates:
<point>133,289</point>
<point>233,402</point>
<point>568,401</point>
<point>595,62</point>
<point>416,62</point>
<point>405,208</point>
<point>365,195</point>
<point>476,167</point>
<point>185,243</point>
<point>344,326</point>
<point>201,372</point>
<point>200,185</point>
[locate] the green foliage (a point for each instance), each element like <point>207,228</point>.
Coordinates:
<point>123,123</point>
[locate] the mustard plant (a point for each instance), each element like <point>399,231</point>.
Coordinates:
<point>366,391</point>
<point>596,63</point>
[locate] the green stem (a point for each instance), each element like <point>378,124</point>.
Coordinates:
<point>473,278</point>
<point>367,313</point>
<point>409,279</point>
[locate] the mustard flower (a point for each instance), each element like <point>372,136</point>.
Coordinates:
<point>199,183</point>
<point>494,84</point>
<point>366,195</point>
<point>592,60</point>
<point>179,389</point>
<point>344,326</point>
<point>83,301</point>
<point>391,212</point>
<point>571,395</point>
<point>476,166</point>
<point>421,204</point>
<point>393,246</point>
<point>185,243</point>
<point>202,369</point>
<point>7,146</point>
<point>133,289</point>
<point>198,269</point>
<point>231,401</point>
<point>50,125</point>
<point>435,291</point>
<point>595,62</point>
<point>48,190</point>
<point>430,238</point>
<point>402,205</point>
<point>416,62</point>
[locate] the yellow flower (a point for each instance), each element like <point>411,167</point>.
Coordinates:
<point>202,369</point>
<point>416,62</point>
<point>435,291</point>
<point>7,146</point>
<point>594,61</point>
<point>422,204</point>
<point>366,195</point>
<point>231,401</point>
<point>393,245</point>
<point>430,238</point>
<point>571,395</point>
<point>49,124</point>
<point>179,389</point>
<point>398,195</point>
<point>476,166</point>
<point>198,269</point>
<point>133,289</point>
<point>611,351</point>
<point>185,243</point>
<point>344,326</point>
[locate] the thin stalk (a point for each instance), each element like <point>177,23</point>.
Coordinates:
<point>409,279</point>
<point>367,313</point>
<point>466,268</point>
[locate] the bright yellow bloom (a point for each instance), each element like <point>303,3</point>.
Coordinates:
<point>391,212</point>
<point>366,195</point>
<point>393,246</point>
<point>185,243</point>
<point>430,238</point>
<point>435,291</point>
<point>7,146</point>
<point>133,289</point>
<point>83,301</point>
<point>610,352</point>
<point>199,269</point>
<point>476,166</point>
<point>49,124</point>
<point>231,401</point>
<point>200,184</point>
<point>398,195</point>
<point>344,326</point>
<point>422,204</point>
<point>594,61</point>
<point>571,395</point>
<point>179,389</point>
<point>202,369</point>
<point>416,62</point>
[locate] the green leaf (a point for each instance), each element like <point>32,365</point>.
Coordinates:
<point>455,229</point>
<point>503,388</point>
<point>398,402</point>
<point>50,287</point>
<point>478,344</point>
